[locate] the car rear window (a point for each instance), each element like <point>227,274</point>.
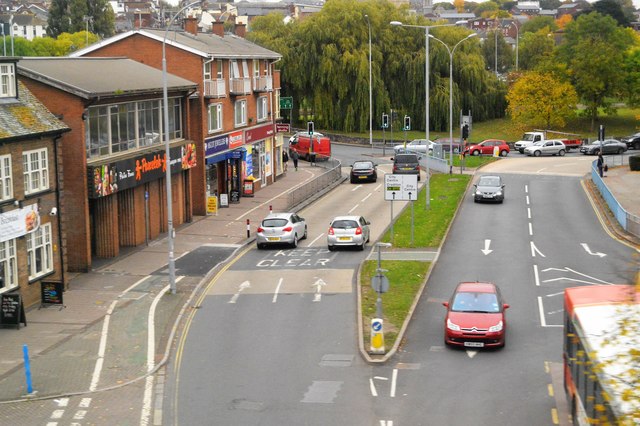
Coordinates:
<point>475,302</point>
<point>405,158</point>
<point>274,223</point>
<point>361,166</point>
<point>344,224</point>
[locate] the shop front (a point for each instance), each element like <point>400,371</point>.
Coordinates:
<point>259,142</point>
<point>127,198</point>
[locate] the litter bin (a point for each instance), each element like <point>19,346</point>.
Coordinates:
<point>247,188</point>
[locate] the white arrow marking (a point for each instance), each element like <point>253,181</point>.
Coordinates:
<point>486,250</point>
<point>535,250</point>
<point>62,402</point>
<point>242,286</point>
<point>588,250</point>
<point>471,354</point>
<point>374,392</point>
<point>318,285</point>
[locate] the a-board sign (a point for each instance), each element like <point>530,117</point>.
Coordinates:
<point>11,310</point>
<point>51,293</point>
<point>224,200</point>
<point>235,196</point>
<point>400,187</point>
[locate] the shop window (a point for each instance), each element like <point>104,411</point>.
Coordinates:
<point>39,253</point>
<point>262,108</point>
<point>6,187</point>
<point>241,112</point>
<point>8,265</point>
<point>36,171</point>
<point>215,117</point>
<point>7,81</point>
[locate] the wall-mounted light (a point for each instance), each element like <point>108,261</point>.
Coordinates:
<point>84,116</point>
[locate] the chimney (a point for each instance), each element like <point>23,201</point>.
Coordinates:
<point>191,25</point>
<point>217,27</point>
<point>240,30</point>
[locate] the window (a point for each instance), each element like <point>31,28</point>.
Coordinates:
<point>234,71</point>
<point>36,171</point>
<point>215,117</point>
<point>39,253</point>
<point>219,69</point>
<point>8,265</point>
<point>7,81</point>
<point>241,112</point>
<point>6,187</point>
<point>207,70</point>
<point>256,68</point>
<point>262,108</point>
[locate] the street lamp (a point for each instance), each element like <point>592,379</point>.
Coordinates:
<point>370,90</point>
<point>139,12</point>
<point>451,52</point>
<point>517,40</point>
<point>426,92</point>
<point>172,266</point>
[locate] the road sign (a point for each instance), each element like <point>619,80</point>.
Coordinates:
<point>400,187</point>
<point>380,283</point>
<point>286,103</point>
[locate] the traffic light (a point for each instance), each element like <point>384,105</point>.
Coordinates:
<point>385,121</point>
<point>465,131</point>
<point>407,122</point>
<point>310,127</point>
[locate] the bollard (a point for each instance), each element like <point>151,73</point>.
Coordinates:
<point>248,229</point>
<point>270,209</point>
<point>27,368</point>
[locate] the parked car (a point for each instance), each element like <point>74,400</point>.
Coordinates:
<point>486,147</point>
<point>632,142</point>
<point>446,144</point>
<point>489,188</point>
<point>406,164</point>
<point>363,171</point>
<point>475,316</point>
<point>548,147</point>
<point>607,146</point>
<point>348,231</point>
<point>281,228</point>
<point>416,145</point>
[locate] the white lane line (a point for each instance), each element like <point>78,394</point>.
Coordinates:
<point>57,414</point>
<point>554,294</point>
<point>587,276</point>
<point>535,250</point>
<point>394,379</point>
<point>528,200</point>
<point>354,207</point>
<point>275,295</point>
<point>528,212</point>
<point>85,403</point>
<point>356,188</point>
<point>97,369</point>
<point>530,229</point>
<point>379,186</point>
<point>316,239</point>
<point>526,189</point>
<point>241,287</point>
<point>543,322</point>
<point>365,198</point>
<point>373,388</point>
<point>536,275</point>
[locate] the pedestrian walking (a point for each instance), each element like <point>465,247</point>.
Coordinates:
<point>285,159</point>
<point>294,157</point>
<point>600,165</point>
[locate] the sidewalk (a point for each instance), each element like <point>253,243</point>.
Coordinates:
<point>107,311</point>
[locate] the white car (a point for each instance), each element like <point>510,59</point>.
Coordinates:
<point>416,145</point>
<point>549,147</point>
<point>348,231</point>
<point>281,228</point>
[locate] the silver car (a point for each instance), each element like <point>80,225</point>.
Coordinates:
<point>416,145</point>
<point>348,231</point>
<point>549,147</point>
<point>281,228</point>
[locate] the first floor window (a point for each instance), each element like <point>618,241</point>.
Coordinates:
<point>6,187</point>
<point>241,112</point>
<point>7,81</point>
<point>8,265</point>
<point>262,108</point>
<point>215,117</point>
<point>39,252</point>
<point>36,171</point>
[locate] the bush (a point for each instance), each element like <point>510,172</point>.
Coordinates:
<point>634,163</point>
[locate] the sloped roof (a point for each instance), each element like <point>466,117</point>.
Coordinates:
<point>27,117</point>
<point>89,78</point>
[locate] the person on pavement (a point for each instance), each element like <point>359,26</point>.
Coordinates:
<point>600,165</point>
<point>285,159</point>
<point>294,157</point>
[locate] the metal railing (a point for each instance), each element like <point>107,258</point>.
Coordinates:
<point>319,184</point>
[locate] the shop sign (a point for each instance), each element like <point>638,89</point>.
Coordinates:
<point>235,139</point>
<point>212,204</point>
<point>19,222</point>
<point>110,178</point>
<point>259,133</point>
<point>283,127</point>
<point>215,145</point>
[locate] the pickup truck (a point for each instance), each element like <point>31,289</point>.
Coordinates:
<point>529,138</point>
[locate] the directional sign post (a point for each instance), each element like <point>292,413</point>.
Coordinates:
<point>400,188</point>
<point>377,336</point>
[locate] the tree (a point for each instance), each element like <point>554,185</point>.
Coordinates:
<point>595,60</point>
<point>538,23</point>
<point>564,20</point>
<point>484,7</point>
<point>535,48</point>
<point>459,5</point>
<point>632,79</point>
<point>505,52</point>
<point>70,16</point>
<point>614,9</point>
<point>540,100</point>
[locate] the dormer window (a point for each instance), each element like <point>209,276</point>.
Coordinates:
<point>7,81</point>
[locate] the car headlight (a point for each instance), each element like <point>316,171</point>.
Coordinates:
<point>452,326</point>
<point>478,193</point>
<point>497,327</point>
<point>499,193</point>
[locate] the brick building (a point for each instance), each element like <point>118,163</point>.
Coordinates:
<point>234,111</point>
<point>30,249</point>
<point>114,188</point>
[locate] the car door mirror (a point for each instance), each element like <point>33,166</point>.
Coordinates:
<point>445,304</point>
<point>505,306</point>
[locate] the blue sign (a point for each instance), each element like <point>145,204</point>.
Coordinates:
<point>215,145</point>
<point>376,325</point>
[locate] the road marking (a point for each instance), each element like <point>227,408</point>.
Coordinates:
<point>316,239</point>
<point>378,187</point>
<point>318,285</point>
<point>394,379</point>
<point>526,189</point>
<point>242,286</point>
<point>57,414</point>
<point>365,198</point>
<point>550,389</point>
<point>554,416</point>
<point>584,275</point>
<point>386,422</point>
<point>275,295</point>
<point>535,250</point>
<point>471,354</point>
<point>97,369</point>
<point>536,275</point>
<point>486,249</point>
<point>354,207</point>
<point>528,200</point>
<point>588,250</point>
<point>554,294</point>
<point>528,212</point>
<point>372,387</point>
<point>356,188</point>
<point>543,322</point>
<point>62,402</point>
<point>530,229</point>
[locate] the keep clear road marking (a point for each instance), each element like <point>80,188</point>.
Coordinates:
<point>486,250</point>
<point>588,250</point>
<point>471,354</point>
<point>242,286</point>
<point>318,285</point>
<point>386,422</point>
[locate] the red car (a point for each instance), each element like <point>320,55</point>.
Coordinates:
<point>475,316</point>
<point>487,146</point>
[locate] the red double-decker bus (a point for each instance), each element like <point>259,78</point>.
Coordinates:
<point>602,354</point>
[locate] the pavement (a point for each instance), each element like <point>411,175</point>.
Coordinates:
<point>119,320</point>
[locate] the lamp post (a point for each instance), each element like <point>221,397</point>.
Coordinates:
<point>139,12</point>
<point>86,20</point>
<point>517,41</point>
<point>451,52</point>
<point>426,92</point>
<point>172,266</point>
<point>370,90</point>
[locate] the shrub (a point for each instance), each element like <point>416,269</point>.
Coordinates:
<point>634,163</point>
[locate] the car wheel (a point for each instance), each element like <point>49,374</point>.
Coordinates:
<point>260,246</point>
<point>331,248</point>
<point>352,181</point>
<point>536,153</point>
<point>636,145</point>
<point>521,151</point>
<point>475,153</point>
<point>620,151</point>
<point>503,153</point>
<point>294,244</point>
<point>361,246</point>
<point>304,237</point>
<point>561,153</point>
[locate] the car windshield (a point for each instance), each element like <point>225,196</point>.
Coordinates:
<point>475,302</point>
<point>274,223</point>
<point>344,224</point>
<point>489,181</point>
<point>362,166</point>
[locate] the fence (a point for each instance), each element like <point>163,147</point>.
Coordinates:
<point>319,185</point>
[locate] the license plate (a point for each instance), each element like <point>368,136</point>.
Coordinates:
<point>362,177</point>
<point>273,238</point>
<point>487,196</point>
<point>474,344</point>
<point>344,239</point>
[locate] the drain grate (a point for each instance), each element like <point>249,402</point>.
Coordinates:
<point>322,392</point>
<point>336,360</point>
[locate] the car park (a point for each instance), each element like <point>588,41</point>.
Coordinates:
<point>475,316</point>
<point>363,171</point>
<point>632,142</point>
<point>348,231</point>
<point>488,146</point>
<point>417,145</point>
<point>548,147</point>
<point>281,228</point>
<point>406,164</point>
<point>607,146</point>
<point>489,188</point>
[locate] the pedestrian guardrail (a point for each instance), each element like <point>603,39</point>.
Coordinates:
<point>317,185</point>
